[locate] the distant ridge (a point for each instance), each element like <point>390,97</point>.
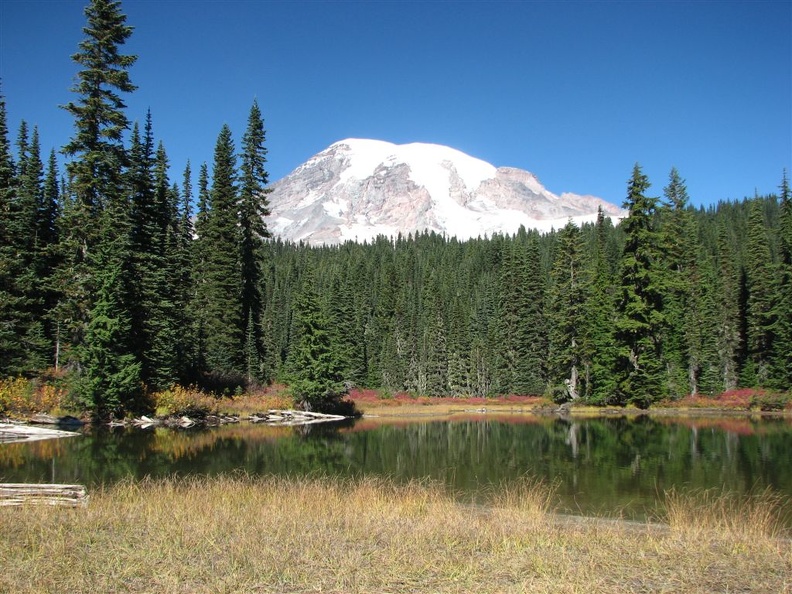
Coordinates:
<point>357,189</point>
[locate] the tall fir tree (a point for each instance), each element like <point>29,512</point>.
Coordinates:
<point>599,349</point>
<point>163,320</point>
<point>761,295</point>
<point>31,252</point>
<point>97,148</point>
<point>11,353</point>
<point>679,245</point>
<point>701,323</point>
<point>143,238</point>
<point>220,291</point>
<point>183,260</point>
<point>111,381</point>
<point>640,325</point>
<point>95,243</point>
<point>782,347</point>
<point>345,333</point>
<point>729,339</point>
<point>519,335</point>
<point>317,380</point>
<point>198,263</point>
<point>566,316</point>
<point>48,232</point>
<point>530,377</point>
<point>253,207</point>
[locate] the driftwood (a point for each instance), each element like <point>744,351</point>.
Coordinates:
<point>215,420</point>
<point>293,417</point>
<point>12,432</point>
<point>40,494</point>
<point>271,417</point>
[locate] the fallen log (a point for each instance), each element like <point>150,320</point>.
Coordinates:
<point>293,417</point>
<point>12,432</point>
<point>15,494</point>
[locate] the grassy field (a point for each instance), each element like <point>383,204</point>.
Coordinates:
<point>240,534</point>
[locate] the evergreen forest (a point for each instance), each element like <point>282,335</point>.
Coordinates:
<point>127,278</point>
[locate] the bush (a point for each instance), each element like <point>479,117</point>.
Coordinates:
<point>179,400</point>
<point>20,396</point>
<point>770,402</point>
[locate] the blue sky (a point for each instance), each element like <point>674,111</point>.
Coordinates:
<point>576,92</point>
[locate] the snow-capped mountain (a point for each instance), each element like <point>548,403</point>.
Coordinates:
<point>358,189</point>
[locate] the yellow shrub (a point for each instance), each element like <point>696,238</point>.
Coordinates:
<point>48,398</point>
<point>178,399</point>
<point>15,395</point>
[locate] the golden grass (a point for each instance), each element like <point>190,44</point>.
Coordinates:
<point>741,518</point>
<point>243,534</point>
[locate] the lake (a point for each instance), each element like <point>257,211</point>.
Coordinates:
<point>615,466</point>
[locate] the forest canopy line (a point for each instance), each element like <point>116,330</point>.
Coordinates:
<point>109,277</point>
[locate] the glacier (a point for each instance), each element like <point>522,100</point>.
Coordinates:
<point>358,189</point>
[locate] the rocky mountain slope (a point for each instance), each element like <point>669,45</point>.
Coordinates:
<point>358,189</point>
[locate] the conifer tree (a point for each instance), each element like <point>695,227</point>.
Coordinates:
<point>203,200</point>
<point>111,381</point>
<point>520,340</point>
<point>164,319</point>
<point>727,328</point>
<point>11,353</point>
<point>504,334</point>
<point>220,291</point>
<point>640,323</point>
<point>253,207</point>
<point>143,240</point>
<point>30,172</point>
<point>317,375</point>
<point>99,119</point>
<point>530,377</point>
<point>198,261</point>
<point>31,252</point>
<point>97,224</point>
<point>702,321</point>
<point>760,307</point>
<point>345,335</point>
<point>183,278</point>
<point>565,316</point>
<point>48,232</point>
<point>599,349</point>
<point>782,355</point>
<point>679,235</point>
<point>434,339</point>
<point>50,208</point>
<point>385,333</point>
<point>459,350</point>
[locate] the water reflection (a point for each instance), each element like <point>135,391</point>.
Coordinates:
<point>610,466</point>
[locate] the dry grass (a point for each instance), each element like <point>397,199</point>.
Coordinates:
<point>741,518</point>
<point>239,534</point>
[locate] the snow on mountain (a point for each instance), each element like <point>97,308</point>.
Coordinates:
<point>357,189</point>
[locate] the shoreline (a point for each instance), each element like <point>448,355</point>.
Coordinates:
<point>441,408</point>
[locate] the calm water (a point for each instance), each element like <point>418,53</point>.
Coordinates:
<point>607,466</point>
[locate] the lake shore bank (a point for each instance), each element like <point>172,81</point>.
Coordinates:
<point>370,404</point>
<point>27,403</point>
